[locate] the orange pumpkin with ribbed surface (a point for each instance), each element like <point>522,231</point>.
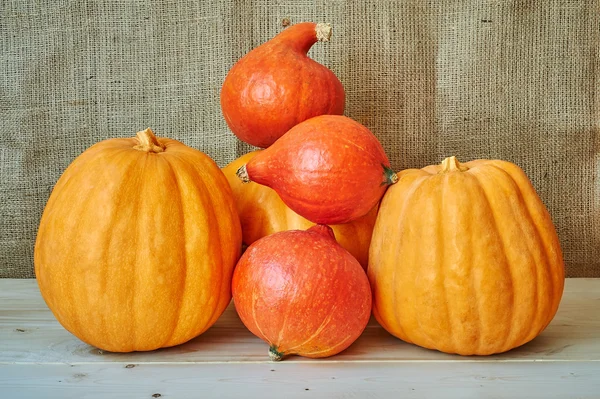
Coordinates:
<point>137,244</point>
<point>262,213</point>
<point>465,258</point>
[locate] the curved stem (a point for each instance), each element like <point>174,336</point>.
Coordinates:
<point>302,36</point>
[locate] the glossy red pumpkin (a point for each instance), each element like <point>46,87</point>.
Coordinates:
<point>329,169</point>
<point>302,293</point>
<point>276,86</point>
<point>263,213</point>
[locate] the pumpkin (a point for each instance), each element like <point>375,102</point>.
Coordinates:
<point>276,86</point>
<point>262,213</point>
<point>329,169</point>
<point>137,244</point>
<point>465,258</point>
<point>302,293</point>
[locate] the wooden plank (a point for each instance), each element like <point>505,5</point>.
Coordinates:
<point>29,334</point>
<point>294,380</point>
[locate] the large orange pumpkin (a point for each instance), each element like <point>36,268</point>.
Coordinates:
<point>465,258</point>
<point>137,244</point>
<point>262,213</point>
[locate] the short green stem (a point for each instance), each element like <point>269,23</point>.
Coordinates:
<point>389,176</point>
<point>274,354</point>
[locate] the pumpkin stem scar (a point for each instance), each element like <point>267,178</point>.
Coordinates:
<point>323,32</point>
<point>389,176</point>
<point>242,173</point>
<point>148,142</point>
<point>274,354</point>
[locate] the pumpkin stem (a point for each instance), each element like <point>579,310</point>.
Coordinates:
<point>323,229</point>
<point>148,142</point>
<point>451,164</point>
<point>274,354</point>
<point>303,35</point>
<point>389,176</point>
<point>323,31</point>
<point>242,174</point>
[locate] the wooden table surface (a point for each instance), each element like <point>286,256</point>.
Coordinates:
<point>39,359</point>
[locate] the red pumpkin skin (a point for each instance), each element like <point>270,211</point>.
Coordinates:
<point>276,86</point>
<point>302,293</point>
<point>329,169</point>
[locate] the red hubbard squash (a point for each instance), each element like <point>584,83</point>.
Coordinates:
<point>276,86</point>
<point>137,244</point>
<point>329,169</point>
<point>302,293</point>
<point>262,213</point>
<point>465,258</point>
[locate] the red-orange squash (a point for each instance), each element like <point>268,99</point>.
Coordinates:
<point>276,86</point>
<point>465,258</point>
<point>329,169</point>
<point>302,293</point>
<point>137,244</point>
<point>262,213</point>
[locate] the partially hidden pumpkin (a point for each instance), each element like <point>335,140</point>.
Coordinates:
<point>302,293</point>
<point>329,169</point>
<point>262,213</point>
<point>465,258</point>
<point>137,244</point>
<point>276,86</point>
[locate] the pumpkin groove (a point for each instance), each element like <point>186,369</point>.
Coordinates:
<point>182,233</point>
<point>510,210</point>
<point>505,263</point>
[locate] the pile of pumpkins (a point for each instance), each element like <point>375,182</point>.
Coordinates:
<point>140,244</point>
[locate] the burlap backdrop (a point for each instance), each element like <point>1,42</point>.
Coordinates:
<point>515,80</point>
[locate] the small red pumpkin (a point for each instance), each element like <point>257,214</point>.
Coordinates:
<point>329,169</point>
<point>302,293</point>
<point>276,86</point>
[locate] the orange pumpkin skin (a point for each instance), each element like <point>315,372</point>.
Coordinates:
<point>276,86</point>
<point>262,213</point>
<point>137,244</point>
<point>329,169</point>
<point>302,293</point>
<point>465,258</point>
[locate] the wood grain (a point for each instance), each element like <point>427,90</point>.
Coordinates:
<point>38,358</point>
<point>291,380</point>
